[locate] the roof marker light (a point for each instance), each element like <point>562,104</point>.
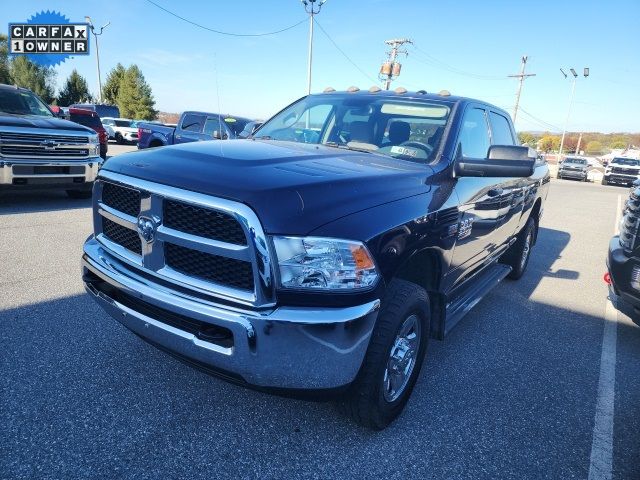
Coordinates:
<point>375,89</point>
<point>353,89</point>
<point>329,90</point>
<point>400,90</point>
<point>444,93</point>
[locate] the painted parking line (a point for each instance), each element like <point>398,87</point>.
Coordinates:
<point>601,461</point>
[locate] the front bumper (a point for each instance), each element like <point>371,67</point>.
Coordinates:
<point>620,267</point>
<point>27,172</point>
<point>285,348</point>
<point>578,174</point>
<point>620,178</point>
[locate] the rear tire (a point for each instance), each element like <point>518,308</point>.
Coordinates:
<point>79,194</point>
<point>392,364</point>
<point>517,257</point>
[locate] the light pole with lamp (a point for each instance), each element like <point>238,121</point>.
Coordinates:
<point>95,35</point>
<point>573,91</point>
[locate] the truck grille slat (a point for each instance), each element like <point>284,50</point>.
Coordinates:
<point>29,145</point>
<point>203,222</point>
<point>226,271</point>
<point>124,236</point>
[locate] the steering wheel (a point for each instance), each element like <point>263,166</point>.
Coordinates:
<point>422,146</point>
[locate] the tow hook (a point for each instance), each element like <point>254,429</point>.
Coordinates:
<point>607,278</point>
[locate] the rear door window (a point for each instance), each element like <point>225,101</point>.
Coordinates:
<point>500,130</point>
<point>192,123</point>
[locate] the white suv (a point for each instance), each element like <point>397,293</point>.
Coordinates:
<point>122,130</point>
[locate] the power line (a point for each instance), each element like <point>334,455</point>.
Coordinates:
<point>231,34</point>
<point>445,66</point>
<point>539,120</point>
<point>342,52</point>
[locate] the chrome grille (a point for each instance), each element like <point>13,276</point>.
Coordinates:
<point>30,145</point>
<point>210,245</point>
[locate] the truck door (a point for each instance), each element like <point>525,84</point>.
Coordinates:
<point>190,128</point>
<point>513,189</point>
<point>483,202</point>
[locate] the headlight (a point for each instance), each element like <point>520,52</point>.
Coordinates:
<point>324,263</point>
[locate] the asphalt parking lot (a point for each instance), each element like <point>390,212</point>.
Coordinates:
<point>511,393</point>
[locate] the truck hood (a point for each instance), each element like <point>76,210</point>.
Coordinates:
<point>37,121</point>
<point>294,188</point>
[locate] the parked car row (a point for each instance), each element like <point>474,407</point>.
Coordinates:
<point>193,127</point>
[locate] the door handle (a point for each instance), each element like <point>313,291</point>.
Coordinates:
<point>494,192</point>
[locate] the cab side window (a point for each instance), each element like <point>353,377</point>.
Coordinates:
<point>500,130</point>
<point>192,123</point>
<point>474,134</point>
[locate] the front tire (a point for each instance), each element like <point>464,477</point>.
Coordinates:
<point>392,364</point>
<point>604,181</point>
<point>119,139</point>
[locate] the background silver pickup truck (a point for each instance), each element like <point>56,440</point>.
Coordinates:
<point>39,150</point>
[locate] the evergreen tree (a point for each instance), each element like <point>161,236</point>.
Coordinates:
<point>135,99</point>
<point>112,85</point>
<point>5,76</point>
<point>27,74</point>
<point>75,90</point>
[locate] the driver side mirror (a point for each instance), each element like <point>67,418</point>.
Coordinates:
<point>501,161</point>
<point>217,136</point>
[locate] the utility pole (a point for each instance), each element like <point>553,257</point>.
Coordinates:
<point>391,68</point>
<point>579,142</point>
<point>573,91</point>
<point>521,76</point>
<point>312,7</point>
<point>95,35</point>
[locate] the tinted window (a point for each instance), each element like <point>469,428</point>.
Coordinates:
<point>212,124</point>
<point>626,161</point>
<point>86,120</point>
<point>375,124</point>
<point>123,123</point>
<point>192,123</point>
<point>500,130</point>
<point>474,135</point>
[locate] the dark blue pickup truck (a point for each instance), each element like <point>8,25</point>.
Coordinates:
<point>320,255</point>
<point>192,127</point>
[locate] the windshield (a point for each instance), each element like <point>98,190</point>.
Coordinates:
<point>407,129</point>
<point>577,161</point>
<point>22,102</point>
<point>124,123</point>
<point>626,161</point>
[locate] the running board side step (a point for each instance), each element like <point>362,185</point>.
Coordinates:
<point>483,284</point>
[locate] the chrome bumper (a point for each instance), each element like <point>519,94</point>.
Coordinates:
<point>283,348</point>
<point>80,171</point>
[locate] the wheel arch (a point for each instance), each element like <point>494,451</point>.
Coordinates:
<point>425,268</point>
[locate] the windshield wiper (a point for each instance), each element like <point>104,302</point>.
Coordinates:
<point>346,146</point>
<point>264,137</point>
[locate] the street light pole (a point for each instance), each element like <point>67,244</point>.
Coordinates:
<point>95,35</point>
<point>573,91</point>
<point>312,7</point>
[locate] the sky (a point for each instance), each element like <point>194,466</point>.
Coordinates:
<point>468,47</point>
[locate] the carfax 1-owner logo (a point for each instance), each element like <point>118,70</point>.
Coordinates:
<point>48,38</point>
